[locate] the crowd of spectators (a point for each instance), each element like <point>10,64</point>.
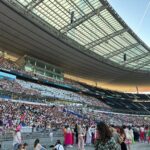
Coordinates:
<point>12,66</point>
<point>13,86</point>
<point>12,113</point>
<point>112,118</point>
<point>41,118</point>
<point>31,115</point>
<point>121,119</point>
<point>7,64</point>
<point>20,86</point>
<point>29,88</point>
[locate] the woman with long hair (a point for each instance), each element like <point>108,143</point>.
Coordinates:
<point>123,137</point>
<point>38,146</point>
<point>104,138</point>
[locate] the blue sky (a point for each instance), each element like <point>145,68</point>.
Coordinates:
<point>136,13</point>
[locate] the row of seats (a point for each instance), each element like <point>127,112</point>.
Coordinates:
<point>29,88</point>
<point>120,100</point>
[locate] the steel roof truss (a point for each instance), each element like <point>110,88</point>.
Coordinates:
<point>82,19</point>
<point>114,53</point>
<point>136,58</point>
<point>33,4</point>
<point>141,65</point>
<point>105,38</point>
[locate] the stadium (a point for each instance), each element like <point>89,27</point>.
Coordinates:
<point>73,75</point>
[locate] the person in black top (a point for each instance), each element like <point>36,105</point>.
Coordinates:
<point>76,133</point>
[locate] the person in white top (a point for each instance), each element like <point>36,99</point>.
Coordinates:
<point>129,137</point>
<point>80,138</point>
<point>16,139</point>
<point>88,136</point>
<point>51,136</point>
<point>58,146</point>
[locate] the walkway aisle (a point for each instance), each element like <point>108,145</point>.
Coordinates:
<point>138,146</point>
<point>141,146</point>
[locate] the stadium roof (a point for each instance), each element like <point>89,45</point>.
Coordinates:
<point>91,27</point>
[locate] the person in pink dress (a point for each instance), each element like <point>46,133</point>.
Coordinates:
<point>68,137</point>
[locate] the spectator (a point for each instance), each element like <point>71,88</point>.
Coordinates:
<point>80,137</point>
<point>117,138</point>
<point>105,139</point>
<point>58,146</point>
<point>88,135</point>
<point>25,145</point>
<point>129,137</point>
<point>123,138</point>
<point>20,147</point>
<point>38,146</point>
<point>76,133</point>
<point>17,138</point>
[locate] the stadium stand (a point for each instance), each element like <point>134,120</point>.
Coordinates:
<point>82,38</point>
<point>99,97</point>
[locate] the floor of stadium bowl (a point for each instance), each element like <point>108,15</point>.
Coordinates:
<point>140,146</point>
<point>137,146</point>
